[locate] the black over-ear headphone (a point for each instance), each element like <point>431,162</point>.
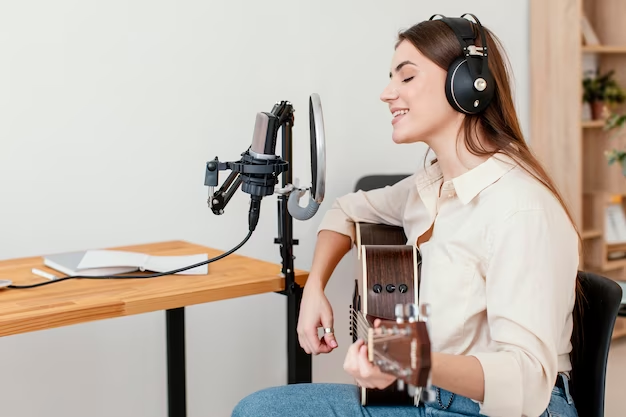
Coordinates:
<point>469,86</point>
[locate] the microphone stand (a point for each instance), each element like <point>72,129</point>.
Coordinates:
<point>299,363</point>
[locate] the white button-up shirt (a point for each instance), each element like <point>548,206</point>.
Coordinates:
<point>499,272</point>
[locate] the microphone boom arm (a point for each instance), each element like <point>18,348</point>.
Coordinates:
<point>218,201</point>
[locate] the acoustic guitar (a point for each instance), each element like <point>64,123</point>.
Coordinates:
<point>387,289</point>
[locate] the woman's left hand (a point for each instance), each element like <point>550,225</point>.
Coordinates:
<point>367,374</point>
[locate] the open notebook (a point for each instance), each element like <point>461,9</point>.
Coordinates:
<point>111,262</point>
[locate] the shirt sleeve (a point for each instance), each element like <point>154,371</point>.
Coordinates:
<point>530,293</point>
<point>382,205</point>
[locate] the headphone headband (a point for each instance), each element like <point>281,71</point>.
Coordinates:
<point>464,32</point>
<point>470,85</point>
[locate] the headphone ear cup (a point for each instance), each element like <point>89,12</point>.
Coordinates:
<point>461,92</point>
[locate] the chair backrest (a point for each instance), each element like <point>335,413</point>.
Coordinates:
<point>600,305</point>
<point>371,182</point>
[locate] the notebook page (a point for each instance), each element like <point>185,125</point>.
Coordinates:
<point>169,263</point>
<point>111,258</point>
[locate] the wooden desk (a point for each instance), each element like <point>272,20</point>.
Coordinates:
<point>83,300</point>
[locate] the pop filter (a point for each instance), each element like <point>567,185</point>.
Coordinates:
<point>318,165</point>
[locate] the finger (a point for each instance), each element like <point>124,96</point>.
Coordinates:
<point>312,340</point>
<point>323,347</point>
<point>303,341</point>
<point>377,329</point>
<point>329,338</point>
<point>353,350</point>
<point>305,346</point>
<point>366,368</point>
<point>351,364</point>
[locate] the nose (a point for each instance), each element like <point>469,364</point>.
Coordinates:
<point>389,93</point>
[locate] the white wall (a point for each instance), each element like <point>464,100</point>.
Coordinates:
<point>109,111</point>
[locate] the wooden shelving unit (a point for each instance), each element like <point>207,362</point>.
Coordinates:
<point>592,124</point>
<point>604,49</point>
<point>572,149</point>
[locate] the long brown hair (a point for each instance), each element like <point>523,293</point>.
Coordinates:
<point>498,123</point>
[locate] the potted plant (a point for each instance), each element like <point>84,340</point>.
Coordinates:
<point>616,122</point>
<point>617,156</point>
<point>601,91</point>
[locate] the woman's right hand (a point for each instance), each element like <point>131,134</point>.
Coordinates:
<point>315,312</point>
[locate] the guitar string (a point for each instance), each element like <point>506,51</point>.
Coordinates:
<point>388,360</point>
<point>361,318</point>
<point>366,326</point>
<point>362,321</point>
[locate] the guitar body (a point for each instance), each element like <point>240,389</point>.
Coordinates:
<point>389,275</point>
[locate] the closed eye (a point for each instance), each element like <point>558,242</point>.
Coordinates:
<point>407,80</point>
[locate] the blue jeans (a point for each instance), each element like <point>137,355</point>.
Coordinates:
<point>342,400</point>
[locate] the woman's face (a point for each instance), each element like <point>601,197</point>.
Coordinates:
<point>416,97</point>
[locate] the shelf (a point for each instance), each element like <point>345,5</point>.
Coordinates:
<point>613,265</point>
<point>591,234</point>
<point>591,124</point>
<point>616,247</point>
<point>604,49</point>
<point>573,149</point>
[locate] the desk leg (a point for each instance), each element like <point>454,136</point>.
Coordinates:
<point>299,362</point>
<point>176,378</point>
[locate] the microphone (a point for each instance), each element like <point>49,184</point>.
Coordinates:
<point>264,137</point>
<point>257,170</point>
<point>262,153</point>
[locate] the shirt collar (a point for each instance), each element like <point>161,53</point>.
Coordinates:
<point>467,185</point>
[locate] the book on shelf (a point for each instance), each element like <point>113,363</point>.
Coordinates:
<point>112,262</point>
<point>615,224</point>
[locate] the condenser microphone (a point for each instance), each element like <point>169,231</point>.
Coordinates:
<point>264,136</point>
<point>262,153</point>
<point>259,175</point>
<point>259,167</point>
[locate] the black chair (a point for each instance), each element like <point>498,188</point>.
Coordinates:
<point>371,182</point>
<point>596,313</point>
<point>599,308</point>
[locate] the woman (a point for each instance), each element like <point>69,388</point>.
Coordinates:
<point>499,253</point>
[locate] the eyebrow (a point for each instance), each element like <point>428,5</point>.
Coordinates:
<point>402,64</point>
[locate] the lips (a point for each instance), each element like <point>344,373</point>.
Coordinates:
<point>398,114</point>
